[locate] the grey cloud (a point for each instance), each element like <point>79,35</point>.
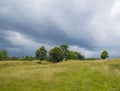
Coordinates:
<point>91,25</point>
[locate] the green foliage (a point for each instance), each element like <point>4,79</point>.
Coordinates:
<point>23,58</point>
<point>41,53</point>
<point>4,55</point>
<point>104,54</point>
<point>64,48</point>
<point>74,55</point>
<point>13,58</point>
<point>29,58</point>
<point>62,53</point>
<point>80,56</point>
<point>55,54</point>
<point>1,55</point>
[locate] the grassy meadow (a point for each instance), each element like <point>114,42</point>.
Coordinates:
<point>99,75</point>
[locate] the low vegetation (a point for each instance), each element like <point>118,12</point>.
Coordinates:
<point>72,75</point>
<point>55,54</point>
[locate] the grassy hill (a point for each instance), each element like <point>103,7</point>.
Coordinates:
<point>72,75</point>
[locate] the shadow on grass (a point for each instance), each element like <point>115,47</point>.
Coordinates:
<point>38,62</point>
<point>43,63</point>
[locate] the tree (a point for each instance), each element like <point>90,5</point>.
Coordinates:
<point>104,54</point>
<point>72,55</point>
<point>80,56</point>
<point>5,54</point>
<point>26,58</point>
<point>75,55</point>
<point>1,55</point>
<point>14,58</point>
<point>55,54</point>
<point>41,53</point>
<point>64,49</point>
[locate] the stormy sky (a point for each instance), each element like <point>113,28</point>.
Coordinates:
<point>88,26</point>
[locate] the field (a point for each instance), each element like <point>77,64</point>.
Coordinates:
<point>99,75</point>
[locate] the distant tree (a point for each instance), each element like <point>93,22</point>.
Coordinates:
<point>27,58</point>
<point>5,54</point>
<point>1,55</point>
<point>55,54</point>
<point>80,56</point>
<point>64,48</point>
<point>22,58</point>
<point>72,55</point>
<point>41,53</point>
<point>104,54</point>
<point>14,58</point>
<point>30,58</point>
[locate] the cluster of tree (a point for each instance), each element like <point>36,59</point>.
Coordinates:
<point>57,54</point>
<point>4,55</point>
<point>29,58</point>
<point>26,58</point>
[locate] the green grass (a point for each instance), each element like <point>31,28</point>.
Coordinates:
<point>65,76</point>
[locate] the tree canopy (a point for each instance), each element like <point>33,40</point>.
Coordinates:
<point>64,48</point>
<point>104,54</point>
<point>56,54</point>
<point>41,53</point>
<point>4,55</point>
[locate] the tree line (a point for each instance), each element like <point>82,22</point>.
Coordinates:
<point>4,55</point>
<point>55,54</point>
<point>61,53</point>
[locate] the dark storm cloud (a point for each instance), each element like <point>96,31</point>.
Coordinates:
<point>87,26</point>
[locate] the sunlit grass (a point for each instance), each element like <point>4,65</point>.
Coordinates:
<point>99,75</point>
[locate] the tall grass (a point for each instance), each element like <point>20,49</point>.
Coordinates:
<point>72,75</point>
